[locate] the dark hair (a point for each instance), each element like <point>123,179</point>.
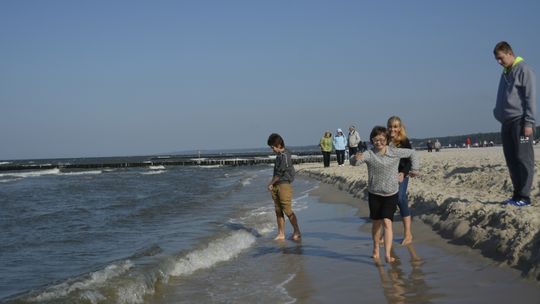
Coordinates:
<point>378,130</point>
<point>275,140</point>
<point>504,47</point>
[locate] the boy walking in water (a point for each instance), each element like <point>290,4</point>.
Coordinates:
<point>280,186</point>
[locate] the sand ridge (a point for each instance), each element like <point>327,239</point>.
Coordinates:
<point>459,194</point>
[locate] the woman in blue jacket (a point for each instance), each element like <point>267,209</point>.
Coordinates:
<point>340,144</point>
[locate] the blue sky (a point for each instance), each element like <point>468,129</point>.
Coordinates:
<point>112,78</point>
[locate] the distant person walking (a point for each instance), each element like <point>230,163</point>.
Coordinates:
<point>353,141</point>
<point>340,143</point>
<point>399,139</point>
<point>326,147</point>
<point>468,142</point>
<point>437,145</point>
<point>280,186</point>
<point>515,109</point>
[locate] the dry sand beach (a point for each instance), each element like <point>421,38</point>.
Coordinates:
<point>459,195</point>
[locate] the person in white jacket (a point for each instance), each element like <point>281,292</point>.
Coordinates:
<point>340,144</point>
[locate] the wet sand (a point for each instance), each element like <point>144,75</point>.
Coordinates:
<point>459,195</point>
<point>332,264</point>
<point>337,266</point>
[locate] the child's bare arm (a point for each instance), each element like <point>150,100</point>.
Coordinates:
<point>271,184</point>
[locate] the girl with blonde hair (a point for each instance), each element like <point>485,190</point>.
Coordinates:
<point>398,138</point>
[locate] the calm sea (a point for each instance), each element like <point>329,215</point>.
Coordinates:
<point>122,235</point>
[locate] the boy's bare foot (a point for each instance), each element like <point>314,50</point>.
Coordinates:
<point>407,240</point>
<point>296,237</point>
<point>375,254</point>
<point>279,237</point>
<point>389,259</point>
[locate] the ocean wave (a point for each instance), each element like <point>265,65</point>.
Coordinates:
<point>5,163</point>
<point>160,167</point>
<point>10,180</point>
<point>126,281</point>
<point>247,181</point>
<point>25,174</point>
<point>87,284</point>
<point>38,173</point>
<point>218,251</point>
<point>90,172</point>
<point>210,166</point>
<point>153,172</point>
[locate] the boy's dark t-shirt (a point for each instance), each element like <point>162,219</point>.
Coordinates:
<point>283,167</point>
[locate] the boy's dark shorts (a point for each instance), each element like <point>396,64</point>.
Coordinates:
<point>282,195</point>
<point>381,207</point>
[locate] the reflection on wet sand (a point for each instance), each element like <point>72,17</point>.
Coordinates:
<point>401,287</point>
<point>299,286</point>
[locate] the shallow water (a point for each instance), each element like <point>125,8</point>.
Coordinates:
<point>205,235</point>
<point>119,235</point>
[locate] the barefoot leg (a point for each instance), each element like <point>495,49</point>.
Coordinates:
<point>294,222</point>
<point>388,239</point>
<point>281,226</point>
<point>407,231</point>
<point>376,235</point>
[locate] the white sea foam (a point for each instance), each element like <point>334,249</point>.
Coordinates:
<point>266,228</point>
<point>281,288</point>
<point>247,181</point>
<point>5,163</point>
<point>10,180</point>
<point>261,211</point>
<point>217,251</point>
<point>25,174</point>
<point>300,203</point>
<point>211,166</point>
<point>135,292</point>
<point>90,283</point>
<point>90,172</point>
<point>93,296</point>
<point>154,172</point>
<point>160,167</point>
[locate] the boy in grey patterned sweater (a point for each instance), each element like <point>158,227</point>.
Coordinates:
<point>383,185</point>
<point>280,187</point>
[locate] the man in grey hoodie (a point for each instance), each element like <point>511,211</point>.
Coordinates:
<point>516,111</point>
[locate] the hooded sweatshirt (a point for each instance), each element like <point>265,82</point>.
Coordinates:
<point>516,97</point>
<point>340,142</point>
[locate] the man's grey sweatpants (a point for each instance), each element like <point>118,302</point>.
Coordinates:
<point>519,155</point>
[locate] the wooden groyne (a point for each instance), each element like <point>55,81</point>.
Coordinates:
<point>203,162</point>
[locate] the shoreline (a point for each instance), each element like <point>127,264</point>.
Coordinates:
<point>458,195</point>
